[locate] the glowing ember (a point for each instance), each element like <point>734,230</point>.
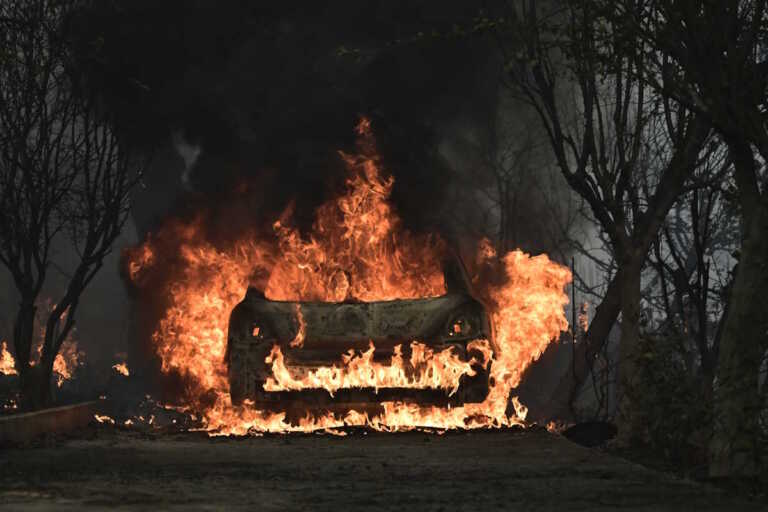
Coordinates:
<point>357,251</point>
<point>122,369</point>
<point>103,419</point>
<point>556,427</point>
<point>7,364</point>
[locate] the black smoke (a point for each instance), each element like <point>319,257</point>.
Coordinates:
<point>270,91</point>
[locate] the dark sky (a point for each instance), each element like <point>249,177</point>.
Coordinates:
<point>261,88</point>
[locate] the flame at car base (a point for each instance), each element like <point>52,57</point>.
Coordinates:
<point>357,251</point>
<point>432,370</point>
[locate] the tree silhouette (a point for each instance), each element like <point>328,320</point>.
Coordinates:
<point>64,177</point>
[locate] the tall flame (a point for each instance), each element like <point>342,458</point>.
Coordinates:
<point>357,250</point>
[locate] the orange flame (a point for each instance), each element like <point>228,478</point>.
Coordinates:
<point>68,358</point>
<point>298,341</point>
<point>583,319</point>
<point>7,363</point>
<point>357,250</point>
<point>140,259</point>
<point>64,364</point>
<point>66,361</point>
<point>122,369</point>
<point>428,370</point>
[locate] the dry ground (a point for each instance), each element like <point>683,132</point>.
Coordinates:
<point>510,470</point>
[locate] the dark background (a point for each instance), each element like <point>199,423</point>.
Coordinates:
<point>268,94</point>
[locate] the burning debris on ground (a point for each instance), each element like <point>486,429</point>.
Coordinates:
<point>145,415</point>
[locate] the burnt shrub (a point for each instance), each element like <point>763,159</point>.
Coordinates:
<point>673,397</point>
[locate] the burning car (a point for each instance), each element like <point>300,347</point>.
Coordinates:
<point>354,322</point>
<point>351,354</point>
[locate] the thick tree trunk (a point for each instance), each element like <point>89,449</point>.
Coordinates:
<point>733,449</point>
<point>43,395</point>
<point>34,381</point>
<point>35,388</point>
<point>23,328</point>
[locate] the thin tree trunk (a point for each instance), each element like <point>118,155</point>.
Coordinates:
<point>606,314</point>
<point>46,363</point>
<point>628,421</point>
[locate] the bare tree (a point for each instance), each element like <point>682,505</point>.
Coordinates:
<point>691,262</point>
<point>712,58</point>
<point>63,176</point>
<point>572,56</point>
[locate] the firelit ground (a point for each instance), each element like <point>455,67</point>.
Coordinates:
<point>496,470</point>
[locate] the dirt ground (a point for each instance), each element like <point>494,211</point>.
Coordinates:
<point>107,469</point>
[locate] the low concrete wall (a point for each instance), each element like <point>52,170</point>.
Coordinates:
<point>19,428</point>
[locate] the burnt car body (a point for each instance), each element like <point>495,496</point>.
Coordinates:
<point>330,330</point>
